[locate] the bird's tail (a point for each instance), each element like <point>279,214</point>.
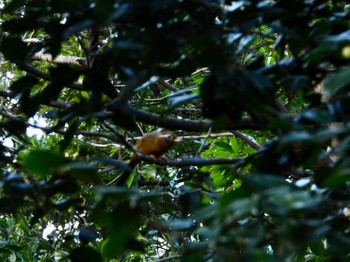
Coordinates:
<point>121,181</point>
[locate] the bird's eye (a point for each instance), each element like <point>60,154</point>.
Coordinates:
<point>169,136</point>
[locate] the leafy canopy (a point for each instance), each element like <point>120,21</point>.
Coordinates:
<point>256,89</point>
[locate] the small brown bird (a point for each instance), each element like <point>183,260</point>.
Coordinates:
<point>153,144</point>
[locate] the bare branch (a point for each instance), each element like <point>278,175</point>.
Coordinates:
<point>34,71</point>
<point>191,161</point>
<point>168,86</point>
<point>168,258</point>
<point>158,120</point>
<point>121,138</point>
<point>185,124</point>
<point>192,137</point>
<point>204,142</point>
<point>247,139</point>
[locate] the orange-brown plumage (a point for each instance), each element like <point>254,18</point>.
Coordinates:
<point>154,144</point>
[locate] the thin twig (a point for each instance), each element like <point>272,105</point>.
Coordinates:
<point>192,137</point>
<point>191,161</point>
<point>167,85</point>
<point>203,143</point>
<point>34,71</point>
<point>247,139</point>
<point>120,138</point>
<point>168,258</point>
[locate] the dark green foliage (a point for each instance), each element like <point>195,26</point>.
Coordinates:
<point>276,70</point>
<point>81,254</point>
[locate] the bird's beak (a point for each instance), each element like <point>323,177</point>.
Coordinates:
<point>178,139</point>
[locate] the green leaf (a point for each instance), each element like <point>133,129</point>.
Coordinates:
<point>43,161</point>
<point>23,85</point>
<point>190,201</point>
<point>64,204</point>
<point>207,212</point>
<point>193,255</point>
<point>260,182</point>
<point>99,83</point>
<point>342,37</point>
<point>294,83</point>
<point>69,134</point>
<point>122,225</point>
<point>318,248</point>
<point>296,136</point>
<point>340,244</point>
<point>180,100</point>
<point>233,195</point>
<point>87,235</point>
<point>336,178</point>
<point>181,224</point>
<point>61,184</point>
<point>123,118</point>
<point>284,200</point>
<point>14,49</point>
<point>336,81</point>
<point>224,145</point>
<point>10,204</point>
<point>15,127</point>
<point>86,172</point>
<point>113,246</point>
<point>85,254</point>
<point>13,6</point>
<point>19,25</point>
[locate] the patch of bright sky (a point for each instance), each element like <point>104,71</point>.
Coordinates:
<point>32,131</point>
<point>8,142</point>
<point>51,228</point>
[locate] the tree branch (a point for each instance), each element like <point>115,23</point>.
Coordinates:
<point>185,124</point>
<point>168,258</point>
<point>246,139</point>
<point>158,120</point>
<point>191,161</point>
<point>34,71</point>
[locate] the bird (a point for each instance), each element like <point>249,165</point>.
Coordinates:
<point>152,144</point>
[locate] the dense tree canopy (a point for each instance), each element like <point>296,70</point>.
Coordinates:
<point>257,90</point>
